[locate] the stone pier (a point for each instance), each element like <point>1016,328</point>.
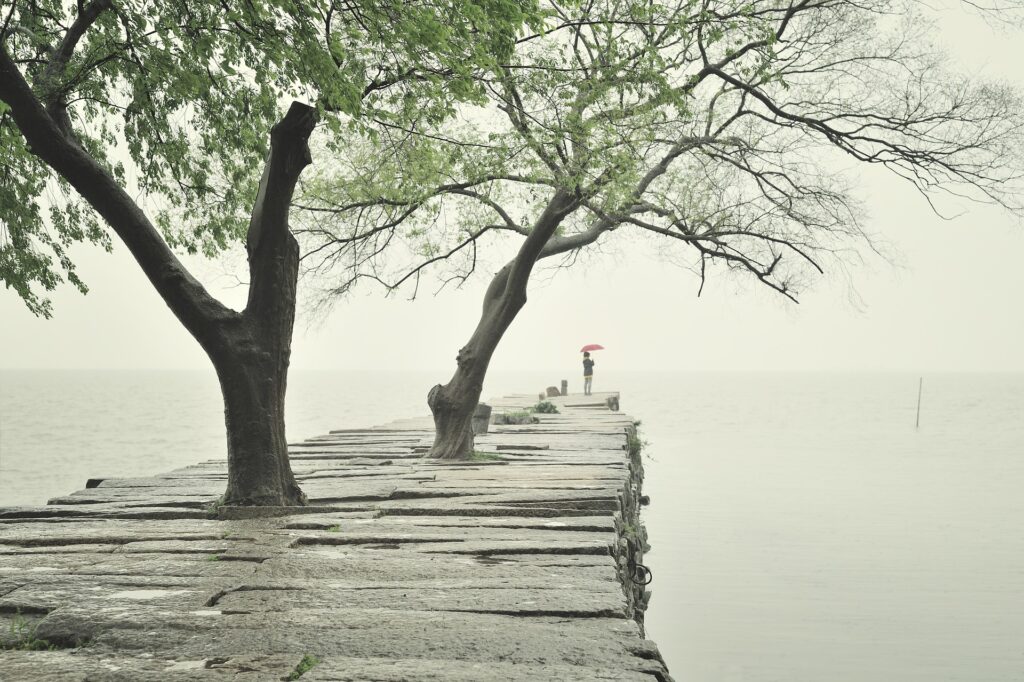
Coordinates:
<point>524,564</point>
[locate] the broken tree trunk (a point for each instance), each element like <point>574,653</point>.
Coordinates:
<point>252,364</point>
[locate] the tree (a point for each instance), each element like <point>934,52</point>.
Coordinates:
<point>725,126</point>
<point>171,101</point>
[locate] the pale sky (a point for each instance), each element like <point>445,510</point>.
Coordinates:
<point>952,303</point>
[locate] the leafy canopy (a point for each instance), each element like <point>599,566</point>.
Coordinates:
<point>721,125</point>
<point>176,99</point>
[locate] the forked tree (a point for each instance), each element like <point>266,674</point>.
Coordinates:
<point>152,117</point>
<point>731,128</point>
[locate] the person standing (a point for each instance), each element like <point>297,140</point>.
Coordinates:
<point>588,373</point>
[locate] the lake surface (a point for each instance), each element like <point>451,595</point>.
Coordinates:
<point>803,529</point>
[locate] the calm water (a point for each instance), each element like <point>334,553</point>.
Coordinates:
<point>803,530</point>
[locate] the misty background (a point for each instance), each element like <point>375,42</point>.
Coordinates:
<point>947,299</point>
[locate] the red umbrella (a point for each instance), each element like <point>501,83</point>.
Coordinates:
<point>591,346</point>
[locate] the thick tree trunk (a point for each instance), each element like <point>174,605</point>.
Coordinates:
<point>253,357</point>
<point>452,407</point>
<point>259,472</point>
<point>453,404</point>
<point>252,366</point>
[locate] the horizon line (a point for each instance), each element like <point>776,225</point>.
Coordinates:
<point>555,370</point>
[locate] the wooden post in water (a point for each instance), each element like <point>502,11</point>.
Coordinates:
<point>565,387</point>
<point>917,423</point>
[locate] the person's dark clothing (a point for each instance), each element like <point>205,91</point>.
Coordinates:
<point>588,367</point>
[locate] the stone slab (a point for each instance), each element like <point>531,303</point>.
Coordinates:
<point>400,569</point>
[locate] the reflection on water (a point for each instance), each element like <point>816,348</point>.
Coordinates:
<point>803,530</point>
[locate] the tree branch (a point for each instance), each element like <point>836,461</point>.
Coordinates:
<point>187,298</point>
<point>561,205</point>
<point>50,79</point>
